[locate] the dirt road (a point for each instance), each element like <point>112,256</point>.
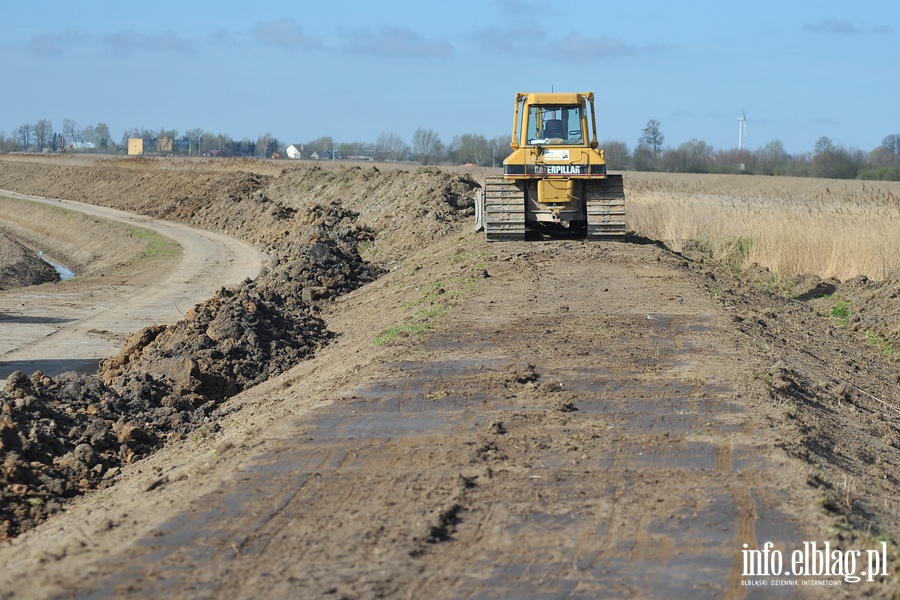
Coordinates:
<point>521,420</point>
<point>601,443</point>
<point>71,327</point>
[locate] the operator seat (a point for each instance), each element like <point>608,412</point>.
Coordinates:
<point>553,128</point>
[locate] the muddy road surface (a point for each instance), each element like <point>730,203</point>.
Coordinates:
<point>607,441</point>
<point>516,420</point>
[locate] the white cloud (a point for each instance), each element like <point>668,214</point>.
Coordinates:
<point>46,44</point>
<point>394,42</point>
<point>127,42</point>
<point>283,33</point>
<point>845,27</point>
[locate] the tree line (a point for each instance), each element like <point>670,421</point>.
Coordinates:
<point>41,137</point>
<point>426,145</point>
<point>827,159</point>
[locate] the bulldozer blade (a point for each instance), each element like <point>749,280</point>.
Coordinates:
<point>479,210</point>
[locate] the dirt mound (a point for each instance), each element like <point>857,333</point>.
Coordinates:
<point>21,267</point>
<point>407,209</point>
<point>238,339</point>
<point>257,201</point>
<point>874,307</point>
<point>867,307</point>
<point>62,436</point>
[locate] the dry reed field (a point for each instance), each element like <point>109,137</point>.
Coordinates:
<point>792,226</point>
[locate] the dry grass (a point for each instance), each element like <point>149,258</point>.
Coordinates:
<point>791,226</point>
<point>83,243</point>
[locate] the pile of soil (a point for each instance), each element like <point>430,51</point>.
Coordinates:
<point>238,339</point>
<point>256,200</point>
<point>20,267</point>
<point>62,436</point>
<point>874,306</point>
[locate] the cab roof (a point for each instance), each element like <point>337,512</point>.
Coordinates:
<point>555,97</point>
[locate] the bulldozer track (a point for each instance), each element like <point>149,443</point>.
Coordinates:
<point>605,208</point>
<point>504,210</point>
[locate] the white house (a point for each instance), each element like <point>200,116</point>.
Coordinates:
<point>76,146</point>
<point>295,151</point>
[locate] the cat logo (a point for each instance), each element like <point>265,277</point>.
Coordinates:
<point>563,169</point>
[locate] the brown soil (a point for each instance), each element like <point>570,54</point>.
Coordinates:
<point>544,419</point>
<point>20,266</point>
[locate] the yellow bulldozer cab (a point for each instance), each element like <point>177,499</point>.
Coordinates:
<point>554,119</point>
<point>554,134</point>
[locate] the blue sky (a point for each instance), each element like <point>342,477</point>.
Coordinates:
<point>354,69</point>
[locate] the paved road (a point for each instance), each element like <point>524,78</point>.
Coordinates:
<point>56,328</point>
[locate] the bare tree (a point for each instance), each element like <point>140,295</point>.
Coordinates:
<point>390,146</point>
<point>652,137</point>
<point>471,148</point>
<point>356,149</point>
<point>694,156</point>
<point>102,137</point>
<point>835,162</point>
<point>500,149</point>
<point>323,147</point>
<point>643,157</point>
<point>165,140</point>
<point>43,134</point>
<point>427,145</point>
<point>882,156</point>
<point>772,158</point>
<point>892,143</point>
<point>24,134</point>
<point>72,131</point>
<point>617,153</point>
<point>87,137</point>
<point>194,136</point>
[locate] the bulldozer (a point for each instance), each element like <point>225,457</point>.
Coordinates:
<point>555,182</point>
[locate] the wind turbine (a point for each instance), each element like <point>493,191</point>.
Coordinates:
<point>742,128</point>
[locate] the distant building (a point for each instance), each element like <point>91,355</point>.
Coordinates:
<point>183,146</point>
<point>326,155</point>
<point>295,151</point>
<point>163,145</point>
<point>135,146</point>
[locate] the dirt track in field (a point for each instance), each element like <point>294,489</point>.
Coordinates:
<point>575,420</point>
<point>41,333</point>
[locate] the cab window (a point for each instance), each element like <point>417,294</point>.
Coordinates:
<point>554,125</point>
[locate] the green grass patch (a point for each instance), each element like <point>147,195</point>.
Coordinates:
<point>157,245</point>
<point>841,312</point>
<point>881,343</point>
<point>431,293</point>
<point>469,255</point>
<point>434,301</point>
<point>437,297</point>
<point>419,323</point>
